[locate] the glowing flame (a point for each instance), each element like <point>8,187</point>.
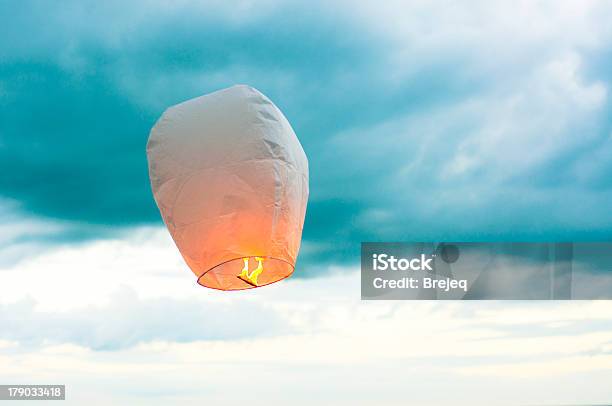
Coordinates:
<point>252,278</point>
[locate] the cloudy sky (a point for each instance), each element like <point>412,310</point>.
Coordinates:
<point>422,120</point>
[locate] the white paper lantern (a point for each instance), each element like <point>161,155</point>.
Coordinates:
<point>230,179</point>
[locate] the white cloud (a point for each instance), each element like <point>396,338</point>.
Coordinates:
<point>546,114</point>
<point>160,331</point>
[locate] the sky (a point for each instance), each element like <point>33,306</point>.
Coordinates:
<point>421,120</point>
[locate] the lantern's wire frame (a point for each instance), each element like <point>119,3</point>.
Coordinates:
<point>251,286</point>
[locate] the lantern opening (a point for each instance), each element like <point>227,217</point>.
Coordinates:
<point>246,273</point>
<point>252,277</point>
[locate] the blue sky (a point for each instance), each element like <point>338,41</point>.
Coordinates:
<point>422,121</point>
<point>449,115</point>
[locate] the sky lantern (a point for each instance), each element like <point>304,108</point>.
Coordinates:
<point>230,179</point>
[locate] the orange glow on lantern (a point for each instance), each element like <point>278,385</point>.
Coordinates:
<point>230,179</point>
